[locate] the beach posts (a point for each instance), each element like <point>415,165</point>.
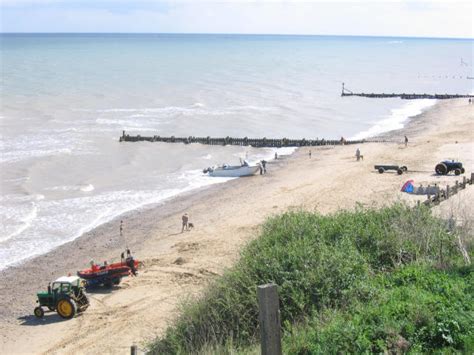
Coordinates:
<point>133,350</point>
<point>269,318</point>
<point>472,178</point>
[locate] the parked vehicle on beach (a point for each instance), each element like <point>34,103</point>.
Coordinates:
<point>445,167</point>
<point>108,275</point>
<point>383,168</point>
<point>65,296</point>
<point>225,170</point>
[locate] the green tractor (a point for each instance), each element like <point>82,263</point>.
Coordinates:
<point>65,296</point>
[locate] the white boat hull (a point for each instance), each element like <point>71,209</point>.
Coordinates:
<point>234,171</point>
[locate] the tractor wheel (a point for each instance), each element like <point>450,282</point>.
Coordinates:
<point>66,308</point>
<point>400,171</point>
<point>404,168</point>
<point>457,171</point>
<point>441,169</point>
<point>463,171</point>
<point>39,313</point>
<point>116,281</point>
<point>381,170</point>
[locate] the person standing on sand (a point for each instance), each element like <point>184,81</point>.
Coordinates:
<point>121,228</point>
<point>406,141</point>
<point>185,220</point>
<point>276,156</point>
<point>309,154</point>
<point>358,154</point>
<point>264,166</point>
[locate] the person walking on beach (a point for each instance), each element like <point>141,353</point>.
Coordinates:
<point>264,166</point>
<point>309,154</point>
<point>358,154</point>
<point>406,141</point>
<point>276,156</point>
<point>185,220</point>
<point>121,228</point>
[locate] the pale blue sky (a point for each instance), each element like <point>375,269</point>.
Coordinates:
<point>375,18</point>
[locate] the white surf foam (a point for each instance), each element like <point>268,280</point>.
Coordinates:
<point>397,118</point>
<point>87,188</point>
<point>17,214</point>
<point>67,219</point>
<point>83,188</point>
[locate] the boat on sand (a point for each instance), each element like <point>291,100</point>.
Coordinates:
<point>245,169</point>
<point>108,274</point>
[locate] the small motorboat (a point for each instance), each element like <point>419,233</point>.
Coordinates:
<point>245,169</point>
<point>108,274</point>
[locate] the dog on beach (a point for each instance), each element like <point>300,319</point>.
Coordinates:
<point>190,226</point>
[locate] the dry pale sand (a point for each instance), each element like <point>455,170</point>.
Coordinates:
<point>225,218</point>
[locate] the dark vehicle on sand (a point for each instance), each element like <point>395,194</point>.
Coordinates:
<point>383,168</point>
<point>445,167</point>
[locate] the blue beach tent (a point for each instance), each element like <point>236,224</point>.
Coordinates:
<point>408,187</point>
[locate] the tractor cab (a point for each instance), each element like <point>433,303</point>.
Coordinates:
<point>65,284</point>
<point>65,295</point>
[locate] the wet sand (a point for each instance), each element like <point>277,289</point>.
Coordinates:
<point>226,216</point>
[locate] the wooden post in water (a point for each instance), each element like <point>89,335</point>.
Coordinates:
<point>269,318</point>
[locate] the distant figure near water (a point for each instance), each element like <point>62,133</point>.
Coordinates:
<point>406,141</point>
<point>309,153</point>
<point>121,228</point>
<point>185,220</point>
<point>276,156</point>
<point>358,155</point>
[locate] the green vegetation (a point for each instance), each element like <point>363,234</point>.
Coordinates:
<point>388,280</point>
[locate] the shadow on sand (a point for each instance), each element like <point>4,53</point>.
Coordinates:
<point>49,318</point>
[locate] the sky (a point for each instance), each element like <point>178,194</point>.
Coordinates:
<point>412,18</point>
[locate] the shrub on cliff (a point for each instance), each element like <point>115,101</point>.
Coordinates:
<point>334,275</point>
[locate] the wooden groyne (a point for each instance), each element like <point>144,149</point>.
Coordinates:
<point>404,96</point>
<point>254,142</point>
<point>445,194</point>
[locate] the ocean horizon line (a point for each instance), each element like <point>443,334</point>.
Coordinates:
<point>211,34</point>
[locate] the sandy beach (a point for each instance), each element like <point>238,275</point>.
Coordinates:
<point>226,216</point>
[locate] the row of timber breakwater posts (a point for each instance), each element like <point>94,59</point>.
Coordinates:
<point>404,96</point>
<point>254,142</point>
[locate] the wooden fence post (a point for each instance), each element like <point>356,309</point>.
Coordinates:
<point>457,187</point>
<point>464,182</point>
<point>133,350</point>
<point>269,317</point>
<point>447,192</point>
<point>472,178</point>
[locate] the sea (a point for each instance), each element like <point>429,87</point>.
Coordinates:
<point>66,98</point>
